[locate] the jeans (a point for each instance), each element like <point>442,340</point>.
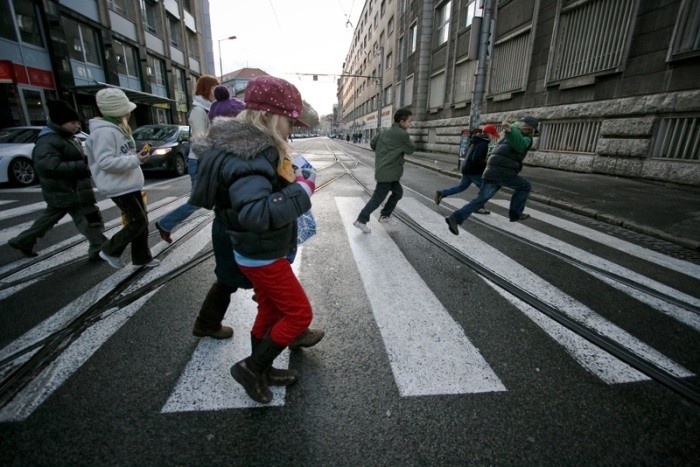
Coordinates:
<point>463,185</point>
<point>226,269</point>
<point>135,232</point>
<point>175,217</point>
<point>284,309</point>
<point>87,219</point>
<point>382,189</point>
<point>488,189</point>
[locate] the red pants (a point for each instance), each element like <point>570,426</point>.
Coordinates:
<point>284,309</point>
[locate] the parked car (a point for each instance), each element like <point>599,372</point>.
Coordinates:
<point>16,146</point>
<point>170,145</point>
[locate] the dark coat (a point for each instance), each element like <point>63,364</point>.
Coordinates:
<point>237,176</point>
<point>63,171</point>
<point>506,159</point>
<point>389,147</point>
<point>475,160</point>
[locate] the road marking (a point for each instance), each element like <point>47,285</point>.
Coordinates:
<point>684,316</point>
<point>684,267</point>
<point>84,346</point>
<point>513,272</point>
<point>206,383</point>
<point>428,351</point>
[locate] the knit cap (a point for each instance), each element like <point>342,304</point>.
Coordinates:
<point>60,112</point>
<point>275,95</point>
<point>112,102</point>
<point>224,105</point>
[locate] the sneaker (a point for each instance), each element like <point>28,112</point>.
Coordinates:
<point>113,261</point>
<point>362,226</point>
<point>438,197</point>
<point>452,225</point>
<point>28,252</point>
<point>164,234</point>
<point>383,219</point>
<point>308,338</point>
<point>154,263</point>
<point>483,211</point>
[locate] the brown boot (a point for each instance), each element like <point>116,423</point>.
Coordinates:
<point>276,376</point>
<point>251,373</point>
<point>208,323</point>
<point>308,338</point>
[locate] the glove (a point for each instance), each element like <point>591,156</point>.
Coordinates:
<point>307,179</point>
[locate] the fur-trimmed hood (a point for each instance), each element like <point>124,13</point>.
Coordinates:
<point>236,138</point>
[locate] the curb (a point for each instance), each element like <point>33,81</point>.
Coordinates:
<point>588,212</point>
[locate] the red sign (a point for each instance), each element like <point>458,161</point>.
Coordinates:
<point>15,73</point>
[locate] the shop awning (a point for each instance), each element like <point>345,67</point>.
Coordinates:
<point>137,97</point>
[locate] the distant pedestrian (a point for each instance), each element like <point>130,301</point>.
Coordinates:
<point>502,169</point>
<point>199,122</point>
<point>116,170</point>
<point>473,165</point>
<point>229,277</point>
<point>65,183</point>
<point>390,147</point>
<point>248,177</point>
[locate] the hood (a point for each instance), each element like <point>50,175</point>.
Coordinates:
<point>230,135</point>
<point>199,101</point>
<point>96,123</point>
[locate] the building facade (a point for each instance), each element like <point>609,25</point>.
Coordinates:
<point>154,50</point>
<point>613,83</point>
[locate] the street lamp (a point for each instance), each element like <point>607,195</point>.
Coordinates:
<point>221,63</point>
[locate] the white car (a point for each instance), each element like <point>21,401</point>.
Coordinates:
<point>16,146</point>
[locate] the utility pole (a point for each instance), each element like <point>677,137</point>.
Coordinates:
<point>380,94</point>
<point>480,81</point>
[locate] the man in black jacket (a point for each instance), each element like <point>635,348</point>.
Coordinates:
<point>65,183</point>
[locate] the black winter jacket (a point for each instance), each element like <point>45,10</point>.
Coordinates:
<point>63,171</point>
<point>475,160</point>
<point>505,161</point>
<point>237,177</point>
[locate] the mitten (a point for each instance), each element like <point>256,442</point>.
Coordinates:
<point>307,179</point>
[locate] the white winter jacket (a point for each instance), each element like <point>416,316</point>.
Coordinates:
<point>112,159</point>
<point>198,120</point>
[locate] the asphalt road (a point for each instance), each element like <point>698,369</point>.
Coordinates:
<point>425,362</point>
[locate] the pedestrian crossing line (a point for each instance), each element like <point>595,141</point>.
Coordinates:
<point>31,397</point>
<point>206,383</point>
<point>678,265</point>
<point>684,316</point>
<point>7,201</point>
<point>428,351</point>
<point>72,358</point>
<point>513,272</point>
<point>21,210</point>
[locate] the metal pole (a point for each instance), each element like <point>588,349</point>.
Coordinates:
<point>380,93</point>
<point>221,62</point>
<point>480,81</point>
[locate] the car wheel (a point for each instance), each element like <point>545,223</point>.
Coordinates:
<point>179,167</point>
<point>21,172</point>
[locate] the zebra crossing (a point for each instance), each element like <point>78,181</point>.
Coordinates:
<point>440,359</point>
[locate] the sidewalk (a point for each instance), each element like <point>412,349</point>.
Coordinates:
<point>661,210</point>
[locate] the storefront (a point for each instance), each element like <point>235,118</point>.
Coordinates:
<point>23,92</point>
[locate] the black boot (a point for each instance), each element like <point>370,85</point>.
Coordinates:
<point>276,376</point>
<point>208,323</point>
<point>251,372</point>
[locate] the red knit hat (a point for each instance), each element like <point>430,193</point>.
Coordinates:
<point>275,95</point>
<point>491,130</point>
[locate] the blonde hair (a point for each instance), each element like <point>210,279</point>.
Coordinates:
<point>124,124</point>
<point>266,122</point>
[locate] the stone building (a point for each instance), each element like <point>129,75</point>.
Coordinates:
<point>69,49</point>
<point>613,82</point>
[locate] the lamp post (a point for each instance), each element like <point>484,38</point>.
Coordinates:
<point>221,63</point>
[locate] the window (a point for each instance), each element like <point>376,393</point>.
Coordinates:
<point>388,61</point>
<point>192,44</point>
<point>442,23</point>
<point>7,27</point>
<point>412,38</point>
<point>408,92</point>
<point>686,36</point>
<point>187,5</point>
<point>180,91</point>
<point>150,15</point>
<point>509,63</point>
<point>83,45</point>
<point>28,22</point>
<point>388,96</point>
<point>437,90</point>
<point>569,136</point>
<point>127,59</point>
<point>122,7</point>
<point>382,7</point>
<point>390,26</point>
<point>678,139</point>
<point>590,37</point>
<point>175,31</point>
<point>155,70</point>
<point>469,11</point>
<point>464,81</point>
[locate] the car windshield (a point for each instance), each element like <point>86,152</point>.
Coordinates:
<point>18,135</point>
<point>155,133</point>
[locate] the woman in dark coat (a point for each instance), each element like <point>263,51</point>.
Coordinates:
<point>65,183</point>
